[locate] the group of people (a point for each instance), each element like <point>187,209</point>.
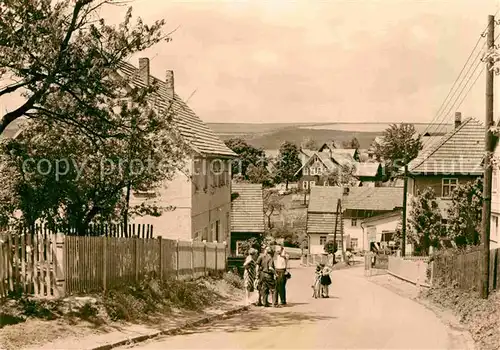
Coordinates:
<point>322,281</point>
<point>267,274</point>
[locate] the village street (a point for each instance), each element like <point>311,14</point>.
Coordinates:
<point>359,314</point>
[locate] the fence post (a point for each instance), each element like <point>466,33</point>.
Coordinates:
<point>216,263</point>
<point>104,261</point>
<point>160,256</point>
<point>205,257</point>
<point>418,273</point>
<point>177,258</point>
<point>192,260</point>
<point>225,255</point>
<point>136,250</point>
<point>59,267</point>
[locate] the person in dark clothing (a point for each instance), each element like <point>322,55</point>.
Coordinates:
<point>265,265</point>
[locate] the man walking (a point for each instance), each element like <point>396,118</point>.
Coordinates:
<point>281,264</point>
<point>266,270</point>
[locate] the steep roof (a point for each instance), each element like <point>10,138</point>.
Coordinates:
<point>247,210</point>
<point>199,136</point>
<point>323,199</point>
<point>367,169</point>
<point>323,223</point>
<point>373,198</point>
<point>458,152</point>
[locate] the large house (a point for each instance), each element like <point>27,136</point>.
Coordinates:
<point>357,203</point>
<point>201,201</point>
<point>317,167</point>
<point>380,229</point>
<point>454,159</point>
<point>247,214</point>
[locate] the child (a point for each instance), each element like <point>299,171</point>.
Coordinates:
<point>316,286</point>
<point>325,280</point>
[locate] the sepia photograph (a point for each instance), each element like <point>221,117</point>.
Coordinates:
<point>249,174</point>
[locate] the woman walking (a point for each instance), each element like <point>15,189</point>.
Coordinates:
<point>249,274</point>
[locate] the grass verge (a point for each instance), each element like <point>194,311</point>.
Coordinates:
<point>150,303</point>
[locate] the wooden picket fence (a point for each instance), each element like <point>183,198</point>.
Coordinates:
<point>464,270</point>
<point>53,265</point>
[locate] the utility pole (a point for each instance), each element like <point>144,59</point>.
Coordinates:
<point>405,194</point>
<point>488,169</point>
<point>342,231</point>
<point>335,232</point>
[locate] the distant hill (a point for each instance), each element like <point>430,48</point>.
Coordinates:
<point>270,136</point>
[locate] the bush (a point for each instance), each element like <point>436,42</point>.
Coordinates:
<point>234,280</point>
<point>141,300</point>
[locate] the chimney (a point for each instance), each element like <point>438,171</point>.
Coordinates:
<point>458,119</point>
<point>144,70</point>
<point>169,81</point>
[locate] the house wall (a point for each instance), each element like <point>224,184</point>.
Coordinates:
<point>174,224</point>
<point>355,233</point>
<point>315,246</point>
<point>376,228</point>
<point>420,183</point>
<point>211,200</point>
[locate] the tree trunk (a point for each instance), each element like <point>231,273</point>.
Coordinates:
<point>286,186</point>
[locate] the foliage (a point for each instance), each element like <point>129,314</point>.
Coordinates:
<point>254,242</point>
<point>342,175</point>
<point>465,212</point>
<point>330,247</point>
<point>288,163</point>
<point>309,143</point>
<point>272,204</point>
<point>352,144</point>
<point>259,174</point>
<point>425,227</point>
<point>247,156</point>
<point>399,146</point>
<point>292,237</point>
<point>67,177</point>
<point>234,280</point>
<point>60,55</point>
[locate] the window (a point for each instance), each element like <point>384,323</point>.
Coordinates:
<point>217,230</point>
<point>354,222</point>
<point>228,225</point>
<point>212,232</point>
<point>318,170</point>
<point>322,240</point>
<point>205,234</point>
<point>305,185</point>
<point>313,171</point>
<point>495,227</point>
<point>354,243</point>
<point>312,183</point>
<point>449,186</point>
<point>305,171</point>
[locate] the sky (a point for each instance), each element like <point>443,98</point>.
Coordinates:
<point>317,61</point>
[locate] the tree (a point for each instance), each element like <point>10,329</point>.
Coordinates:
<point>290,235</point>
<point>272,204</point>
<point>425,224</point>
<point>309,143</point>
<point>352,144</point>
<point>259,174</point>
<point>247,155</point>
<point>330,247</point>
<point>69,179</point>
<point>399,146</point>
<point>288,163</point>
<point>60,56</point>
<point>465,212</point>
<point>342,175</point>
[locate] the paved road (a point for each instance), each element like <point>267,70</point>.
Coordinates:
<point>359,315</point>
